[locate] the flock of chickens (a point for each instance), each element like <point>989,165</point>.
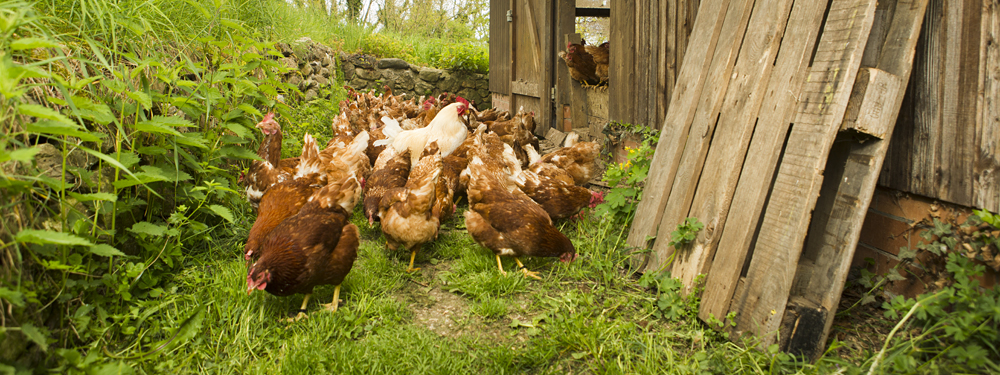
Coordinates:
<point>407,162</point>
<point>587,63</point>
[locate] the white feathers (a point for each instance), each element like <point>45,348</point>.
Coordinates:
<point>391,130</point>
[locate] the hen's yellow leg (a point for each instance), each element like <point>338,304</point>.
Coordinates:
<point>302,310</point>
<point>413,255</point>
<point>527,273</point>
<point>332,306</point>
<point>500,266</point>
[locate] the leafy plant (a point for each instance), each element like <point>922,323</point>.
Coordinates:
<point>627,179</point>
<point>956,327</point>
<point>686,232</point>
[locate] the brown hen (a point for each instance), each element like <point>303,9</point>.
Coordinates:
<point>316,246</point>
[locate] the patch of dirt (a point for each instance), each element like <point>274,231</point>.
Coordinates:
<point>441,313</point>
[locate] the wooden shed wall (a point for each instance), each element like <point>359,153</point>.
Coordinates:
<point>947,139</point>
<point>648,39</point>
<point>500,49</point>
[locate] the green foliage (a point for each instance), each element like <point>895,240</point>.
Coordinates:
<point>686,232</point>
<point>627,179</point>
<point>956,328</point>
<point>671,303</point>
<point>145,138</point>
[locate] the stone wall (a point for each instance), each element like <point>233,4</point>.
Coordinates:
<point>364,72</point>
<point>312,66</point>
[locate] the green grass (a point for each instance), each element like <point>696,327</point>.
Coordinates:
<point>583,317</point>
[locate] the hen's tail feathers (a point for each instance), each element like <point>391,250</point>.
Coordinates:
<point>360,143</point>
<point>342,193</point>
<point>391,130</point>
<point>309,162</point>
<point>571,139</point>
<point>533,155</point>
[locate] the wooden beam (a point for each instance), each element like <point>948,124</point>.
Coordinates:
<point>874,91</point>
<point>851,174</point>
<point>823,98</point>
<point>593,12</point>
<point>986,172</point>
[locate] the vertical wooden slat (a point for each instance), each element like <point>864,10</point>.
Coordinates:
<point>824,97</point>
<point>935,151</point>
<point>687,91</point>
<point>986,185</point>
<point>777,113</point>
<point>500,58</point>
<point>621,85</point>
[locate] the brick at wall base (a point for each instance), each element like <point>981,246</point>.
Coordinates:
<point>890,224</point>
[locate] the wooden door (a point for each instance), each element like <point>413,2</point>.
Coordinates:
<point>532,52</point>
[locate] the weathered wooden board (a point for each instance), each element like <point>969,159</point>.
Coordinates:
<point>824,97</point>
<point>851,174</point>
<point>986,171</point>
<point>774,117</point>
<point>533,60</point>
<point>939,142</point>
<point>674,132</point>
<point>735,127</point>
<point>701,130</point>
<point>621,75</point>
<point>500,58</point>
<point>874,91</point>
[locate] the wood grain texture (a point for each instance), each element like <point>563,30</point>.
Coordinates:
<point>674,132</point>
<point>986,184</point>
<point>824,98</point>
<point>728,147</point>
<point>621,75</point>
<point>774,117</point>
<point>851,173</point>
<point>701,132</point>
<point>938,144</point>
<point>500,49</point>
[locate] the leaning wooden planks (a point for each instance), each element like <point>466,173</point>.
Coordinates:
<point>823,102</point>
<point>852,171</point>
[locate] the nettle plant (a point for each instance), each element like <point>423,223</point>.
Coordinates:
<point>144,145</point>
<point>627,179</point>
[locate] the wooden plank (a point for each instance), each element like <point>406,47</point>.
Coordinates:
<point>500,58</point>
<point>986,185</point>
<point>565,26</point>
<point>621,75</point>
<point>777,112</point>
<point>934,152</point>
<point>640,64</point>
<point>851,174</point>
<point>873,92</point>
<point>728,147</point>
<point>702,130</point>
<point>668,58</point>
<point>524,87</point>
<point>824,98</point>
<point>690,82</point>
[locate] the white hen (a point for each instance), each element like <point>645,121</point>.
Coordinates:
<point>448,129</point>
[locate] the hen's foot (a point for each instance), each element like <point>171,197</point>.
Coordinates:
<point>332,306</point>
<point>500,266</point>
<point>411,269</point>
<point>301,315</point>
<point>531,274</point>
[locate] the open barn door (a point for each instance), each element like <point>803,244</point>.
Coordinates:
<point>531,72</point>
